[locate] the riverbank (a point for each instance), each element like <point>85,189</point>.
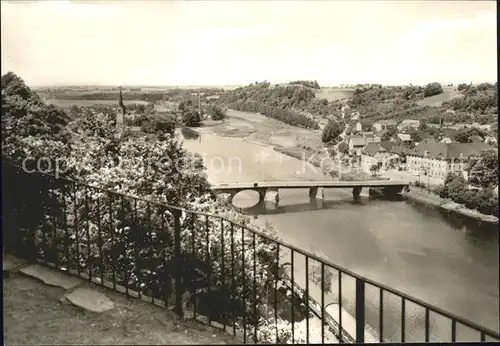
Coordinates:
<point>295,142</point>
<point>431,199</point>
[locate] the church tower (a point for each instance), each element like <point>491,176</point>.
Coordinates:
<point>120,117</point>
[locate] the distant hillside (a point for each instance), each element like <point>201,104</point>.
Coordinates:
<point>334,94</point>
<point>300,103</point>
<point>466,104</point>
<point>437,100</point>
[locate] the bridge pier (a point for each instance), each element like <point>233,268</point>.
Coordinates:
<point>356,191</point>
<point>316,193</point>
<point>316,196</point>
<point>271,198</point>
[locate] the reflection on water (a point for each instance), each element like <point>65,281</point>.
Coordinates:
<point>440,257</point>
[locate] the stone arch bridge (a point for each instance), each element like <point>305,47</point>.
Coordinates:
<point>269,191</point>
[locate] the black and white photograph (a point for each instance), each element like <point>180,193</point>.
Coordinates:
<point>249,171</point>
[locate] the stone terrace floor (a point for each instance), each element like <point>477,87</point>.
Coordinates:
<point>45,306</point>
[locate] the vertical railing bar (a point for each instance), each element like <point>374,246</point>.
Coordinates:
<point>223,270</point>
<point>453,330</point>
<point>209,272</point>
<point>340,306</point>
<point>124,239</point>
<point>243,279</point>
<point>43,229</point>
<point>137,255</point>
<point>381,315</point>
<point>427,317</point>
<point>54,224</point>
<point>150,229</point>
<point>99,234</point>
<point>178,267</point>
<point>233,283</point>
<point>292,259</point>
<point>66,232</point>
<point>87,228</point>
<point>307,299</point>
<point>164,257</point>
<point>360,311</point>
<point>276,290</point>
<point>254,287</point>
<point>403,318</point>
<point>76,230</point>
<point>322,302</point>
<point>112,230</point>
<point>483,337</point>
<point>193,249</point>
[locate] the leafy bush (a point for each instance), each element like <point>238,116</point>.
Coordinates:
<point>216,113</point>
<point>130,241</point>
<point>432,89</point>
<point>441,191</point>
<point>158,124</point>
<point>332,131</point>
<point>343,148</point>
<point>191,117</point>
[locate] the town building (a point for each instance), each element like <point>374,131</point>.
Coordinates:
<point>408,124</point>
<point>374,154</point>
<point>358,127</point>
<point>358,142</point>
<point>439,159</point>
<point>383,125</point>
<point>403,138</point>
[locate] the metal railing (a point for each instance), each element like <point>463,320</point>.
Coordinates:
<point>210,268</point>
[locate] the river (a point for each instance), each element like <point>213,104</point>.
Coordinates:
<point>446,261</point>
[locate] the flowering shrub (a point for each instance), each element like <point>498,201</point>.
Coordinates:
<point>94,225</point>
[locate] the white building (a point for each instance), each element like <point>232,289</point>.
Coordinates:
<point>407,124</point>
<point>439,159</point>
<point>383,125</point>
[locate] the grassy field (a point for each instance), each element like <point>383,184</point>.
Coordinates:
<point>332,94</point>
<point>65,103</point>
<point>437,100</point>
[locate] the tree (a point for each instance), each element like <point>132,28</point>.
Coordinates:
<point>191,118</point>
<point>484,170</point>
<point>332,131</point>
<point>432,89</point>
<point>158,124</point>
<point>456,187</point>
<point>216,112</point>
<point>343,148</point>
<point>387,135</point>
<point>463,136</point>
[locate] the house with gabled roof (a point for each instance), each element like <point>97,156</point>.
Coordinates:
<point>374,154</point>
<point>383,125</point>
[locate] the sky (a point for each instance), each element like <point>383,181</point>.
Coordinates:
<point>238,42</point>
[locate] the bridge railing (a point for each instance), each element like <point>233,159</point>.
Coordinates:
<point>210,268</point>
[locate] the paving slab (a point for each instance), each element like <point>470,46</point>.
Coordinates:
<point>51,277</point>
<point>10,262</point>
<point>90,300</point>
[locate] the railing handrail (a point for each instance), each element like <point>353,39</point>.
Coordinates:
<point>430,307</point>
